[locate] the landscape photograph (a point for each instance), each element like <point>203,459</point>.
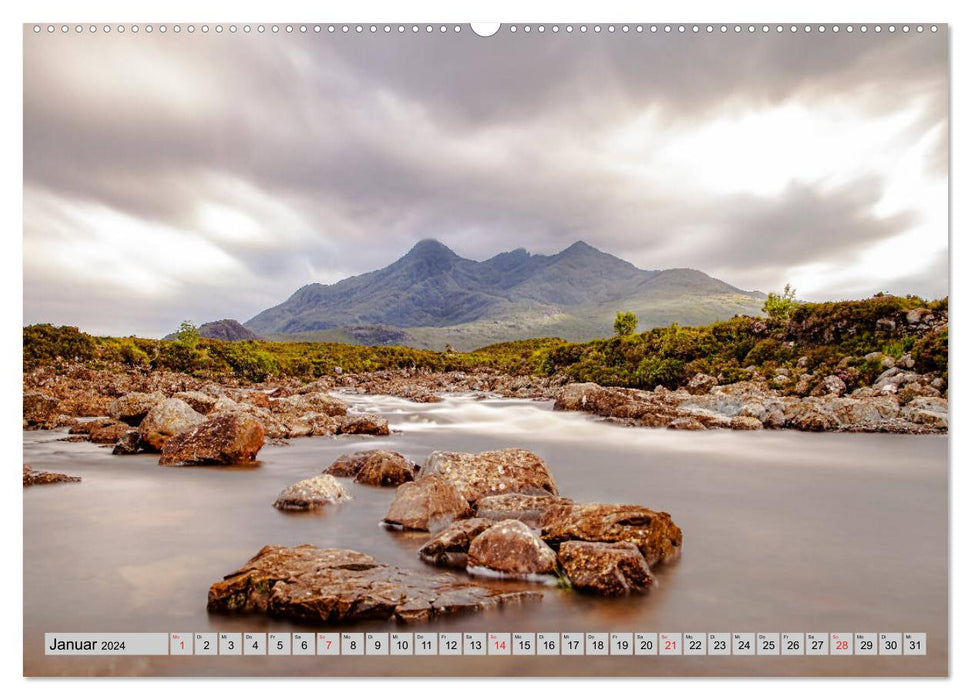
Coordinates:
<point>398,336</point>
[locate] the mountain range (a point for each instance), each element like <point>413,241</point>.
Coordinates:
<point>432,296</point>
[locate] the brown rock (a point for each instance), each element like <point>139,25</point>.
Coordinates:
<point>350,464</point>
<point>32,477</point>
<point>653,532</point>
<point>128,444</point>
<point>488,473</point>
<point>108,434</point>
<point>686,424</point>
<point>203,403</point>
<point>511,548</point>
<point>516,506</point>
<point>605,568</point>
<point>701,384</point>
<point>811,417</point>
<point>133,407</point>
<point>311,494</point>
<point>330,586</point>
<point>746,423</point>
<point>166,419</point>
<point>362,424</point>
<point>301,404</point>
<point>428,504</point>
<point>226,439</point>
<point>384,468</point>
<point>450,547</point>
<point>39,408</point>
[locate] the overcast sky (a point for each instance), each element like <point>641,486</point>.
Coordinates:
<point>171,177</point>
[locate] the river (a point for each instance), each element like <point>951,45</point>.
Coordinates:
<point>783,532</point>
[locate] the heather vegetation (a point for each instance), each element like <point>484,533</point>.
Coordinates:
<point>849,339</point>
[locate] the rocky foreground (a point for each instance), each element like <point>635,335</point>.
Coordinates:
<point>492,515</point>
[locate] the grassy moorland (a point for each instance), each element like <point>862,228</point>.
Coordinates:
<point>847,338</point>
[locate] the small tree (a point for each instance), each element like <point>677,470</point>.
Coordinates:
<point>625,323</point>
<point>188,335</point>
<point>780,306</point>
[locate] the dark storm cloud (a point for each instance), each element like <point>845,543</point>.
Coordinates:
<point>338,152</point>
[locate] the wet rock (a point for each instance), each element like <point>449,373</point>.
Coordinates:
<point>133,407</point>
<point>686,424</point>
<point>746,423</point>
<point>330,586</point>
<point>654,533</point>
<point>39,408</point>
<point>310,494</point>
<point>165,420</point>
<point>605,568</point>
<point>430,503</point>
<point>227,439</point>
<point>384,468</point>
<point>775,419</point>
<point>200,402</point>
<point>108,434</point>
<point>362,424</point>
<point>32,477</point>
<point>128,444</point>
<point>701,383</point>
<point>450,547</point>
<point>486,473</point>
<point>512,549</point>
<point>350,464</point>
<point>516,506</point>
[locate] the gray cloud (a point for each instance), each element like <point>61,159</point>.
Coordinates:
<point>338,152</point>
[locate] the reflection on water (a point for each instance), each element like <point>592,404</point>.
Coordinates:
<point>784,531</point>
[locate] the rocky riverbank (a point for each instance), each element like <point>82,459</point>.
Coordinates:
<point>900,400</point>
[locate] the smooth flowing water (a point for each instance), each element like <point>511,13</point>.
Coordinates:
<point>783,532</point>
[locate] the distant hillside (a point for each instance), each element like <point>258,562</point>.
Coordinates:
<point>226,329</point>
<point>432,296</point>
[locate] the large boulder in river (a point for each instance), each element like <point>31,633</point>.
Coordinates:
<point>450,547</point>
<point>486,473</point>
<point>605,568</point>
<point>333,586</point>
<point>384,468</point>
<point>351,464</point>
<point>227,439</point>
<point>132,408</point>
<point>510,548</point>
<point>39,408</point>
<point>310,494</point>
<point>165,420</point>
<point>516,506</point>
<point>653,532</point>
<point>428,504</point>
